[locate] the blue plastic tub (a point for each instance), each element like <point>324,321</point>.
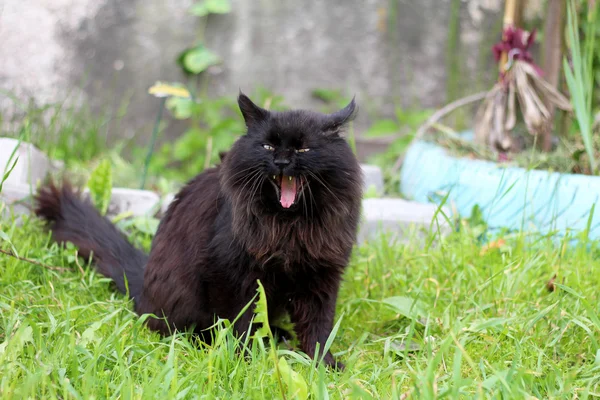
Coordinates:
<point>509,197</point>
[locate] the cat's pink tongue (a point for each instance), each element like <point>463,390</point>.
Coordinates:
<point>288,191</point>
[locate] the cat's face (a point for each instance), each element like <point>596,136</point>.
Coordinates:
<point>291,161</point>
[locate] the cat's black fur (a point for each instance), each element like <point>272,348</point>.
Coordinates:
<point>228,227</point>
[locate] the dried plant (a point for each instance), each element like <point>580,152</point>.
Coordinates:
<point>519,79</point>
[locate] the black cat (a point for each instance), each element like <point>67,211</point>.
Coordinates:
<point>282,207</point>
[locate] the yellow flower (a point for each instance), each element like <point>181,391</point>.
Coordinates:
<point>160,89</point>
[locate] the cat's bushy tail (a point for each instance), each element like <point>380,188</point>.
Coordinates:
<point>72,218</point>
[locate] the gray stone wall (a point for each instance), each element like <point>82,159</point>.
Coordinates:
<point>106,52</point>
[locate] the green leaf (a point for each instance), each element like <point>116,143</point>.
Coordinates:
<point>402,347</point>
<point>7,174</point>
<point>199,59</point>
<point>8,170</point>
<point>541,314</point>
<point>295,382</point>
<point>332,336</point>
<point>579,78</point>
<point>488,324</point>
<point>189,144</point>
<point>206,7</point>
<point>15,343</point>
<point>100,185</point>
<point>89,335</point>
<point>147,225</point>
<point>371,192</point>
<point>180,108</point>
<point>383,127</point>
<point>406,306</point>
<point>412,118</point>
<point>5,237</point>
<point>262,314</point>
<point>122,216</point>
<point>327,95</point>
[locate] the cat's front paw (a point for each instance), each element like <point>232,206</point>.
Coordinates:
<point>331,362</point>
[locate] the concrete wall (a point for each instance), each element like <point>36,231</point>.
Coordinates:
<point>104,52</point>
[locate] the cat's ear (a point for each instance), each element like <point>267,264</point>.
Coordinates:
<point>337,120</point>
<point>250,111</point>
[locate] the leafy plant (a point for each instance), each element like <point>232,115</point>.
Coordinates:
<point>383,127</point>
<point>407,307</point>
<point>264,332</point>
<point>73,134</point>
<point>589,25</point>
<point>295,382</point>
<point>143,227</point>
<point>203,8</point>
<point>100,186</point>
<point>406,121</point>
<point>579,75</point>
<point>8,168</point>
<point>334,99</point>
<point>490,319</point>
<point>198,58</point>
<point>214,124</point>
<point>401,130</point>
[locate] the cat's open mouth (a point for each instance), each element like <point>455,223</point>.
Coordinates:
<point>288,188</point>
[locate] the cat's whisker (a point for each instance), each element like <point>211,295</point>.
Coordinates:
<point>250,178</point>
<point>241,172</point>
<point>304,199</point>
<point>245,179</point>
<point>257,182</point>
<point>312,199</point>
<point>244,182</point>
<point>247,170</point>
<point>324,185</point>
<point>304,195</point>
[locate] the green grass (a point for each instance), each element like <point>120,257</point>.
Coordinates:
<point>73,134</point>
<point>467,323</point>
<point>452,320</point>
<point>79,137</point>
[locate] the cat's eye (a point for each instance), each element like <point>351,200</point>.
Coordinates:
<point>302,150</point>
<point>268,147</point>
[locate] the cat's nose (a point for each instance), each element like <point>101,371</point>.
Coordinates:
<point>281,162</point>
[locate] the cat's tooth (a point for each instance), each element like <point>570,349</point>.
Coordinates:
<point>274,177</point>
<point>289,178</point>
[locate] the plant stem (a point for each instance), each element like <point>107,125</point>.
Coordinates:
<point>553,43</point>
<point>453,58</point>
<point>34,262</point>
<point>579,77</point>
<point>153,141</point>
<point>510,15</point>
<point>590,36</point>
<point>553,34</point>
<point>519,12</point>
<point>435,117</point>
